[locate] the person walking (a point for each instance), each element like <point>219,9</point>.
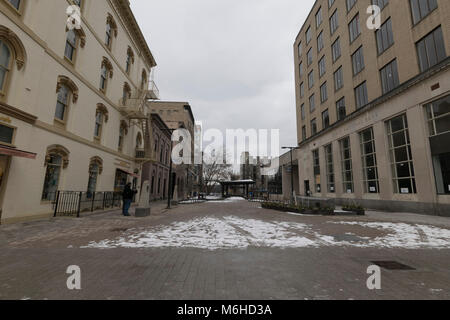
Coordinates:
<point>127,196</point>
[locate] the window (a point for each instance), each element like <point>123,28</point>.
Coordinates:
<point>62,103</point>
<point>98,125</point>
<point>311,79</point>
<point>301,69</point>
<point>389,77</point>
<point>300,49</point>
<point>144,79</point>
<point>304,133</point>
<point>312,104</point>
<point>103,78</point>
<point>308,35</point>
<point>330,168</point>
<point>340,109</point>
<point>350,4</point>
<point>302,111</point>
<point>71,44</point>
<point>323,93</point>
<point>336,49</point>
<point>15,4</point>
<point>369,162</point>
<point>322,67</point>
<point>358,61</point>
<point>93,176</point>
<point>5,65</point>
<point>401,156</point>
<point>431,49</point>
<point>422,8</point>
<point>347,165</point>
<point>130,60</point>
<point>320,42</point>
<point>354,28</point>
<point>380,3</point>
<point>6,134</point>
<point>309,57</point>
<point>123,131</point>
<point>111,30</point>
<point>325,119</point>
<point>52,174</point>
<point>338,79</point>
<point>108,38</point>
<point>330,3</point>
<point>302,90</point>
<point>319,17</point>
<point>126,93</point>
<point>313,126</point>
<point>361,95</point>
<point>334,23</point>
<point>316,166</point>
<point>438,114</point>
<point>385,37</point>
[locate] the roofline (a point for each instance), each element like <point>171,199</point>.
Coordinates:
<point>185,104</point>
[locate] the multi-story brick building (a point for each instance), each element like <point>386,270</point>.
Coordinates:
<point>72,112</point>
<point>373,105</point>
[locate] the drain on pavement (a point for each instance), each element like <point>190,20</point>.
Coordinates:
<point>392,265</point>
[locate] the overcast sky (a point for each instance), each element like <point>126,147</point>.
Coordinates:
<point>231,60</point>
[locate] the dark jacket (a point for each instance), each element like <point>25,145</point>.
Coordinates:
<point>128,194</point>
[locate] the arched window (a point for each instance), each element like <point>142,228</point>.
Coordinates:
<point>144,79</point>
<point>101,116</point>
<point>111,30</point>
<point>95,169</point>
<point>139,141</point>
<point>130,60</point>
<point>65,89</point>
<point>56,159</point>
<point>5,64</point>
<point>126,93</point>
<point>106,70</point>
<point>123,131</point>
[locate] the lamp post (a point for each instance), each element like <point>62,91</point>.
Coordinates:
<point>292,170</point>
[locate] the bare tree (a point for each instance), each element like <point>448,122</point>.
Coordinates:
<point>215,169</point>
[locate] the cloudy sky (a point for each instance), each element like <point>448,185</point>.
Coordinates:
<point>231,60</point>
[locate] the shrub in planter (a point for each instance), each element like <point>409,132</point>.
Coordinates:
<point>359,210</point>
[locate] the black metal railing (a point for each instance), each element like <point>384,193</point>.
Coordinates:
<point>71,203</point>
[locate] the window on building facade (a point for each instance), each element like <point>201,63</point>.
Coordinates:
<point>6,134</point>
<point>301,69</point>
<point>308,35</point>
<point>320,44</point>
<point>302,90</point>
<point>338,79</point>
<point>144,80</point>
<point>71,45</point>
<point>350,4</point>
<point>123,131</point>
<point>358,61</point>
<point>311,79</point>
<point>5,65</point>
<point>347,165</point>
<point>103,78</point>
<point>319,17</point>
<point>313,127</point>
<point>438,115</point>
<point>336,49</point>
<point>322,67</point>
<point>98,125</point>
<point>431,49</point>
<point>312,103</point>
<point>62,103</point>
<point>108,36</point>
<point>422,8</point>
<point>330,168</point>
<point>389,77</point>
<point>302,111</point>
<point>330,3</point>
<point>361,95</point>
<point>316,169</point>
<point>325,119</point>
<point>323,93</point>
<point>354,28</point>
<point>380,3</point>
<point>309,57</point>
<point>385,37</point>
<point>130,60</point>
<point>303,133</point>
<point>93,177</point>
<point>15,3</point>
<point>402,165</point>
<point>126,93</point>
<point>369,162</point>
<point>52,175</point>
<point>340,109</point>
<point>300,49</point>
<point>334,23</point>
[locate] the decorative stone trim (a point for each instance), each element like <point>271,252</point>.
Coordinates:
<point>16,44</point>
<point>102,109</point>
<point>112,23</point>
<point>59,150</point>
<point>96,161</point>
<point>109,66</point>
<point>63,80</point>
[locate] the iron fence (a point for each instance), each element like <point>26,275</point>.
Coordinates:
<point>71,203</point>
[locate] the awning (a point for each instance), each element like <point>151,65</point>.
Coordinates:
<point>7,151</point>
<point>134,175</point>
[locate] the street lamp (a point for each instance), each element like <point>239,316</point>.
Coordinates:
<point>292,169</point>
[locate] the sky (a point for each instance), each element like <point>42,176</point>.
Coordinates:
<point>233,60</point>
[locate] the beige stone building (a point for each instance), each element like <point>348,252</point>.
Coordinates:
<point>373,105</point>
<point>72,111</point>
<point>179,115</point>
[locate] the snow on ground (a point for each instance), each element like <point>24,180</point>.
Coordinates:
<point>236,233</point>
<point>229,200</point>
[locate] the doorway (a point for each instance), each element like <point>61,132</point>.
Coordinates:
<point>4,164</point>
<point>307,188</point>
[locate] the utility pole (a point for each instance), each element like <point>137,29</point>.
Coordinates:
<point>292,170</point>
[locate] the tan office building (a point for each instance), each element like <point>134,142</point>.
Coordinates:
<point>72,113</point>
<point>373,105</point>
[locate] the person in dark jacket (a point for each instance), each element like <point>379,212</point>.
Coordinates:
<point>127,196</point>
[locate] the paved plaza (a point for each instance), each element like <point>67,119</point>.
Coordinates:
<point>230,249</point>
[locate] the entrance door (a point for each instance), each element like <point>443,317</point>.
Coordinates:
<point>307,188</point>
